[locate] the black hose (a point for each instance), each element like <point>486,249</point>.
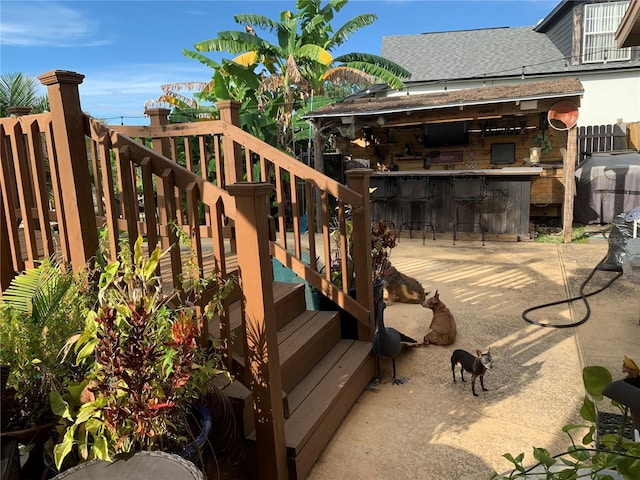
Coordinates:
<point>582,296</point>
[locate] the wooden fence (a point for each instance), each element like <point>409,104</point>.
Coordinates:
<point>601,138</point>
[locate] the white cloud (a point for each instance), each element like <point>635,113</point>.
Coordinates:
<point>122,90</point>
<point>32,24</point>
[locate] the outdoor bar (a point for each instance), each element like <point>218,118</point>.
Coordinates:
<point>514,144</point>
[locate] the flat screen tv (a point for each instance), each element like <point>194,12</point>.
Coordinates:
<point>451,134</point>
<point>503,153</point>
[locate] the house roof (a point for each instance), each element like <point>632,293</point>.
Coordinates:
<point>473,53</point>
<point>566,87</point>
<point>485,53</point>
<point>628,34</point>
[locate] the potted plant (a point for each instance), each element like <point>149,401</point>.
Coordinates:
<point>146,370</point>
<point>616,457</point>
<point>39,311</point>
<point>543,141</point>
<point>383,239</point>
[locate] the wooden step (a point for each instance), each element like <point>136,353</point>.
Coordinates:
<point>321,400</point>
<point>289,300</point>
<point>303,342</point>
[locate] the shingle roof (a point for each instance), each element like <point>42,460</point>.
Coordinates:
<point>473,53</point>
<point>451,98</point>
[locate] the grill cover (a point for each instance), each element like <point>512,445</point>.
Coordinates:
<point>607,184</point>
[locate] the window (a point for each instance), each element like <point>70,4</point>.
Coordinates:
<point>601,21</point>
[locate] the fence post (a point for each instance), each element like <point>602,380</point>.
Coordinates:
<point>569,184</point>
<point>79,220</point>
<point>358,179</point>
<point>262,356</point>
<point>230,113</point>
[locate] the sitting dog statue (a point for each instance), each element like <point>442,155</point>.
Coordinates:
<point>442,330</point>
<point>399,287</point>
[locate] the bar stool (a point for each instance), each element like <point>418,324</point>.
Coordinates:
<point>382,190</point>
<point>469,189</point>
<point>416,193</point>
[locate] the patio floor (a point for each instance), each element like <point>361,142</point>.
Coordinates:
<point>433,428</point>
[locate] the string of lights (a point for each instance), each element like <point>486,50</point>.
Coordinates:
<point>522,69</point>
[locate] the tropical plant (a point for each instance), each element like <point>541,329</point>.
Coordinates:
<point>40,309</point>
<point>581,459</point>
<point>146,367</point>
<point>300,63</point>
<point>21,90</point>
<point>543,141</point>
<point>383,239</point>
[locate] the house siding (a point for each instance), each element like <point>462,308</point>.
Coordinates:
<point>561,34</point>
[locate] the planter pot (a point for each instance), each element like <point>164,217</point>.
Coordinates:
<point>139,466</point>
<point>152,465</point>
<point>34,465</point>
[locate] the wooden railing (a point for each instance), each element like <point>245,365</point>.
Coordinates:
<point>299,192</point>
<point>65,177</point>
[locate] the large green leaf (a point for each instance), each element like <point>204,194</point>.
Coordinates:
<point>595,379</point>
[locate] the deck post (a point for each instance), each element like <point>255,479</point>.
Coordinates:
<point>358,179</point>
<point>158,117</point>
<point>261,335</point>
<point>79,220</point>
<point>230,113</point>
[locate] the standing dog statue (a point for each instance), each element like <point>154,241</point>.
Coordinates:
<point>476,366</point>
<point>442,330</point>
<point>399,287</point>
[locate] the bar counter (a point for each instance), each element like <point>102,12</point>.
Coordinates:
<point>504,210</point>
<point>490,172</point>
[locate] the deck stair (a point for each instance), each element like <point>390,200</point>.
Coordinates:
<point>322,375</point>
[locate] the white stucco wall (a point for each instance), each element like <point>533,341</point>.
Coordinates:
<point>609,98</point>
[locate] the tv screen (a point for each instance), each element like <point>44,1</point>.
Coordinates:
<point>503,153</point>
<point>450,134</point>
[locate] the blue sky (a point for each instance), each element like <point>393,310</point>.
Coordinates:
<point>127,49</point>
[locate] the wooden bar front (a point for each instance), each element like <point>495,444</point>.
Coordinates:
<point>505,209</point>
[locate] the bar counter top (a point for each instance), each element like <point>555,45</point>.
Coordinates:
<point>504,171</point>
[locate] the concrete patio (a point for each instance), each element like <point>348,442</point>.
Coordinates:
<point>433,428</point>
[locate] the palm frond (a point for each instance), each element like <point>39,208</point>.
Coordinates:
<point>38,292</point>
<point>201,58</point>
<point>352,26</point>
<point>347,74</point>
<point>265,23</point>
<point>315,53</point>
<point>366,58</point>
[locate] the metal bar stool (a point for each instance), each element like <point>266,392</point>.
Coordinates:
<point>382,190</point>
<point>469,190</point>
<point>416,193</point>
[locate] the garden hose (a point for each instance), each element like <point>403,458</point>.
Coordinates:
<point>583,296</point>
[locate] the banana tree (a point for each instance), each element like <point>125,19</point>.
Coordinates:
<point>299,64</point>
